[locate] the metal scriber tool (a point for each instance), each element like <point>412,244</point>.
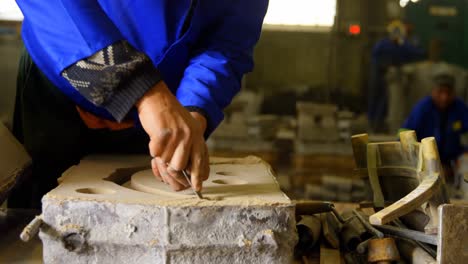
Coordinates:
<point>187,177</point>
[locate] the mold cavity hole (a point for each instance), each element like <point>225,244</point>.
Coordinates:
<point>74,242</point>
<point>95,191</point>
<point>230,182</point>
<point>224,173</point>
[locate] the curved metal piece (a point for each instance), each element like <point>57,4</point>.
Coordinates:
<point>408,203</point>
<point>407,158</point>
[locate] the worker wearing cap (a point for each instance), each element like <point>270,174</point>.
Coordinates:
<point>393,51</point>
<point>441,115</point>
<point>119,76</point>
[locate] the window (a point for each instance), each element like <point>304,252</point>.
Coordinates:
<point>9,10</point>
<point>296,14</point>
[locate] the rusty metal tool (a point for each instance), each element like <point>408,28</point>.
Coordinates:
<point>413,253</point>
<point>368,226</point>
<point>307,207</point>
<point>425,247</point>
<point>382,251</point>
<point>352,232</point>
<point>309,230</point>
<point>408,233</point>
<point>362,247</point>
<point>330,229</point>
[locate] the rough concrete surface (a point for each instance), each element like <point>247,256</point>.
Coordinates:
<point>245,218</point>
<point>453,234</point>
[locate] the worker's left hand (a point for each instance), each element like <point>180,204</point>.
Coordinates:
<point>176,138</point>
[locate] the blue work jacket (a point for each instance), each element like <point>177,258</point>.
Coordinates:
<point>425,119</point>
<point>203,65</point>
<point>386,53</point>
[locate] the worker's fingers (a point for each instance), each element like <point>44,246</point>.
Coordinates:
<point>158,142</point>
<point>161,169</point>
<point>197,169</point>
<point>170,147</point>
<point>154,167</point>
<point>175,185</point>
<point>182,153</point>
<point>178,176</point>
<point>179,161</point>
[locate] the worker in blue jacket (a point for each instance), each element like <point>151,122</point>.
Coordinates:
<point>124,76</point>
<point>443,116</point>
<point>393,51</point>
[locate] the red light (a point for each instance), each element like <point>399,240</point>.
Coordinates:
<point>354,29</point>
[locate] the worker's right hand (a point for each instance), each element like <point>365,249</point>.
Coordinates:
<point>176,138</point>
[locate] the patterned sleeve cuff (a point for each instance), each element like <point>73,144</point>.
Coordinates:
<point>114,78</point>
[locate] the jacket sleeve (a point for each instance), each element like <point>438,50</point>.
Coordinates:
<point>220,60</point>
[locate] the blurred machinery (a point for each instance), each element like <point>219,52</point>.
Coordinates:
<point>441,28</point>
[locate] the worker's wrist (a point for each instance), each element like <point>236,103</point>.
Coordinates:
<point>201,119</point>
<point>157,94</point>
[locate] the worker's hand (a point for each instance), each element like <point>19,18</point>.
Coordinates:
<point>176,138</point>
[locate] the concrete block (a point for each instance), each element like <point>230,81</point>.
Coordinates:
<point>453,234</point>
<point>112,210</point>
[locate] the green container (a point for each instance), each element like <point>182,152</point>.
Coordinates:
<point>445,21</point>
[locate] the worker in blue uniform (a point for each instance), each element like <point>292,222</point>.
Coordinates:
<point>128,77</point>
<point>392,51</point>
<point>441,115</point>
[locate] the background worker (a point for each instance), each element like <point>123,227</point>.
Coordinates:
<point>444,116</point>
<point>392,51</point>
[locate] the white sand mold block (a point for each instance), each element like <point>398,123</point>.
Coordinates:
<point>111,209</point>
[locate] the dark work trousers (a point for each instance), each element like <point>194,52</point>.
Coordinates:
<point>48,124</point>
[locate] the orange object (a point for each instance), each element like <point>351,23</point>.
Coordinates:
<point>354,29</point>
<point>94,122</point>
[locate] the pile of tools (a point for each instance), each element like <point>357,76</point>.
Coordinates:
<point>410,217</point>
<point>351,234</point>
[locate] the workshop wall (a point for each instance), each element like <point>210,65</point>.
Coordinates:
<point>322,60</point>
<point>288,59</point>
<point>294,60</point>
